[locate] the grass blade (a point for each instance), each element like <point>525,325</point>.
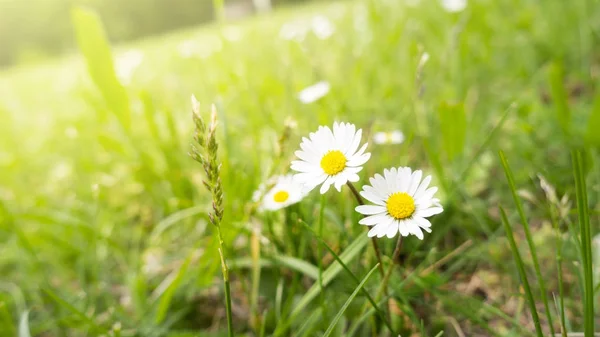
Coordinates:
<point>61,302</point>
<point>522,273</point>
<point>348,301</point>
<point>167,295</point>
<point>328,275</point>
<point>559,96</point>
<point>24,325</point>
<point>586,243</point>
<point>339,260</point>
<point>530,243</point>
<point>94,45</point>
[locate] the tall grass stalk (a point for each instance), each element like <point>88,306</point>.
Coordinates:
<point>586,243</point>
<point>206,154</point>
<point>522,273</point>
<point>530,243</point>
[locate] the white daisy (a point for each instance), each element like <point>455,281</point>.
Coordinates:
<point>454,6</point>
<point>314,92</point>
<point>402,203</point>
<point>330,158</point>
<point>285,192</point>
<point>391,137</point>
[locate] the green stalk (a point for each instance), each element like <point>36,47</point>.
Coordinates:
<point>561,292</point>
<point>225,271</point>
<point>586,243</point>
<point>522,273</point>
<point>320,258</point>
<point>536,264</point>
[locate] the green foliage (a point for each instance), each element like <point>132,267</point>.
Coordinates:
<point>95,48</point>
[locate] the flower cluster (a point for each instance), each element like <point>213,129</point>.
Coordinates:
<point>401,199</point>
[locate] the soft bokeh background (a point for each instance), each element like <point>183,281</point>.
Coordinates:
<point>103,227</point>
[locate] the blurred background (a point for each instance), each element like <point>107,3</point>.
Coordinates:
<point>35,30</point>
<point>103,226</point>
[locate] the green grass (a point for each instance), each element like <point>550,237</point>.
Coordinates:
<point>103,223</point>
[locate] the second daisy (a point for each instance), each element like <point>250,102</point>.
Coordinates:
<point>402,203</point>
<point>330,158</point>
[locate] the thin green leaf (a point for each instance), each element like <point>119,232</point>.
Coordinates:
<point>530,243</point>
<point>586,243</point>
<point>559,96</point>
<point>166,296</point>
<point>92,42</point>
<point>58,300</point>
<point>348,301</point>
<point>24,325</point>
<point>522,273</point>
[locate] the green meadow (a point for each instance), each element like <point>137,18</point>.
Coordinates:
<point>104,225</point>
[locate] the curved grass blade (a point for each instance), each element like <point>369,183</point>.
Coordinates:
<point>366,293</point>
<point>328,275</point>
<point>522,273</point>
<point>586,243</point>
<point>61,302</point>
<point>24,325</point>
<point>530,243</point>
<point>348,301</point>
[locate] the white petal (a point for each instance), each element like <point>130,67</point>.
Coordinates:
<point>358,161</point>
<point>422,222</point>
<point>381,230</point>
<point>414,182</point>
<point>325,187</point>
<point>427,195</point>
<point>392,229</point>
<point>414,229</point>
<point>429,212</point>
<point>370,209</point>
<point>372,197</point>
<point>403,179</point>
<point>403,227</point>
<point>374,219</point>
<point>422,187</point>
<point>307,156</point>
<point>378,182</point>
<point>354,143</point>
<point>302,166</point>
<point>373,232</point>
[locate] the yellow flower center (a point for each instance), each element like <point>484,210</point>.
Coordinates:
<point>400,205</point>
<point>281,196</point>
<point>333,162</point>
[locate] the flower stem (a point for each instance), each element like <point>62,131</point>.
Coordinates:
<point>225,271</point>
<point>373,240</point>
<point>388,274</point>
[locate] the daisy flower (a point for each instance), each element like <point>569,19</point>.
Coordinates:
<point>392,137</point>
<point>285,192</point>
<point>314,92</point>
<point>402,203</point>
<point>330,157</point>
